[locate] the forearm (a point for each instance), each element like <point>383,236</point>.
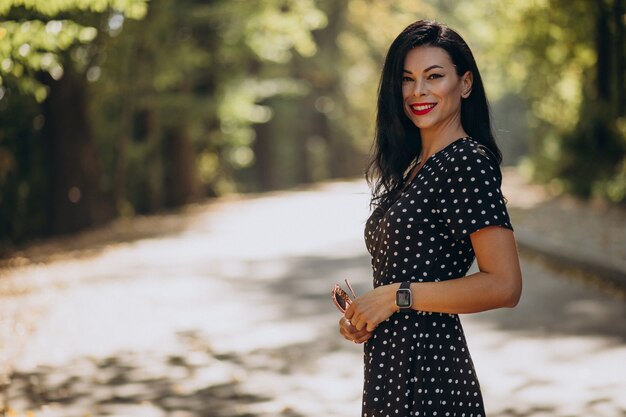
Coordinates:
<point>497,284</point>
<point>471,294</point>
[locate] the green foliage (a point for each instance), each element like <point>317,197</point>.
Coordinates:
<point>190,98</point>
<point>189,75</point>
<point>549,52</point>
<point>31,39</point>
<point>135,9</point>
<point>276,28</point>
<point>203,66</point>
<point>33,46</point>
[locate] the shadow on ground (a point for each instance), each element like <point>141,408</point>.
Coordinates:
<point>196,384</point>
<point>287,346</point>
<point>198,381</point>
<point>548,306</point>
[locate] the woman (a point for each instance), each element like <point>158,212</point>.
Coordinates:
<point>438,205</point>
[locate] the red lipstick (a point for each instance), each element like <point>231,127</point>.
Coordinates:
<point>420,109</point>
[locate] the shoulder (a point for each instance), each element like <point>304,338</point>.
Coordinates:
<point>469,149</point>
<point>469,164</point>
<point>468,155</point>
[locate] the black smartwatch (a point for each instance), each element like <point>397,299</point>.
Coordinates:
<point>404,297</point>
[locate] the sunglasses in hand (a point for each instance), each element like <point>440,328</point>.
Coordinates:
<point>341,299</point>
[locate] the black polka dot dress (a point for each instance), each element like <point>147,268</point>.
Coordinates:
<point>417,363</point>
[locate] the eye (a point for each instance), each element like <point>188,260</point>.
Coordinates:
<point>406,79</point>
<point>434,76</point>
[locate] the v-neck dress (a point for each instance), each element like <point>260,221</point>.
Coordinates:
<point>417,363</point>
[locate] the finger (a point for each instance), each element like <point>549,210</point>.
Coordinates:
<point>349,332</point>
<point>371,327</point>
<point>352,333</point>
<point>342,328</point>
<point>349,329</point>
<point>349,312</point>
<point>358,323</point>
<point>345,332</point>
<point>357,339</point>
<point>361,333</point>
<point>350,337</point>
<point>344,323</point>
<point>364,337</point>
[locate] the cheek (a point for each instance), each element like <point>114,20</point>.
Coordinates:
<point>453,91</point>
<point>406,110</point>
<point>406,92</point>
<point>405,99</point>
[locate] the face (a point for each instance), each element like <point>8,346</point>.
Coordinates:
<point>432,90</point>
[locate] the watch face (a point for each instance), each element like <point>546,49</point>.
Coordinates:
<point>403,298</point>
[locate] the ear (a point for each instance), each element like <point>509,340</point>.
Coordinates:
<point>467,80</point>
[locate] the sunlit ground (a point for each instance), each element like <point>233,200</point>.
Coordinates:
<point>228,313</point>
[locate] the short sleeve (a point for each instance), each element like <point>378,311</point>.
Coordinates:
<point>471,198</point>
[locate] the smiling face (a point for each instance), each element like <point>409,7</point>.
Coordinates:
<point>432,90</point>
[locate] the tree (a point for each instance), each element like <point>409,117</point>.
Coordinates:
<point>149,94</point>
<point>566,59</point>
<point>45,54</point>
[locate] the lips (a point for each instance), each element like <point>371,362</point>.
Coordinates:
<point>420,109</point>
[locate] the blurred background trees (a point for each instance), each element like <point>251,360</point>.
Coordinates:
<point>118,107</point>
<point>566,60</point>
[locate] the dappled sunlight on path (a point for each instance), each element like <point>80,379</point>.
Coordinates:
<point>228,314</point>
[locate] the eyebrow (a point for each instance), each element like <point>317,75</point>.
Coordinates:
<point>426,70</point>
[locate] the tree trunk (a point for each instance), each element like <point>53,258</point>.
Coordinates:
<point>125,134</point>
<point>154,159</point>
<point>77,199</point>
<point>264,159</point>
<point>307,129</point>
<point>619,44</point>
<point>181,185</point>
<point>603,48</point>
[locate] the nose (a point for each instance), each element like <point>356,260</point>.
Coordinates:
<point>419,87</point>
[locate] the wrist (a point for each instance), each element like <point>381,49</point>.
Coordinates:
<point>393,289</point>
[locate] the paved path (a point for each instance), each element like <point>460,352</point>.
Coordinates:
<point>588,235</point>
<point>224,310</point>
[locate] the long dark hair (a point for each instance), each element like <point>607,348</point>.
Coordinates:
<point>397,141</point>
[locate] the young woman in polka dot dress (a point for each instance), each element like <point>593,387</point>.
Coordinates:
<point>437,205</point>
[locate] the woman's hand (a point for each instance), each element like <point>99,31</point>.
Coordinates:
<point>375,306</point>
<point>350,332</point>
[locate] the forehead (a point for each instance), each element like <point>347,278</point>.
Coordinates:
<point>422,57</point>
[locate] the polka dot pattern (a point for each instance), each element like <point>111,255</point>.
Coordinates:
<point>417,363</point>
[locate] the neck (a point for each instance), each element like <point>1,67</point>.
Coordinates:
<point>433,140</point>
